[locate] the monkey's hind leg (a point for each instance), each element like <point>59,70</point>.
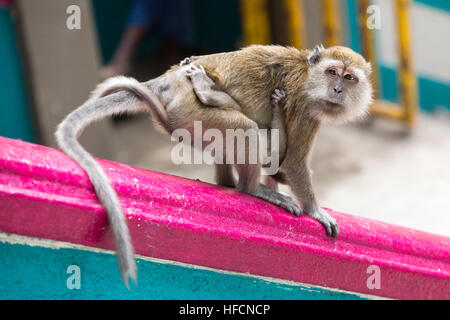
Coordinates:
<point>271,183</point>
<point>249,177</point>
<point>205,90</point>
<point>249,173</point>
<point>224,175</point>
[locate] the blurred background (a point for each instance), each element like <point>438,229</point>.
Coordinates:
<point>392,167</point>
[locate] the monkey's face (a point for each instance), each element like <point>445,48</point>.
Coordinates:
<point>338,86</point>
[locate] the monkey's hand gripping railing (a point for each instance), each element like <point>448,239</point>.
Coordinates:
<point>44,194</point>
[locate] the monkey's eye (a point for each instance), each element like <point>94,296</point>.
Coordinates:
<point>332,72</point>
<point>349,77</point>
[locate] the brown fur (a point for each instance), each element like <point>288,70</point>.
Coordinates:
<point>266,69</point>
<point>250,76</point>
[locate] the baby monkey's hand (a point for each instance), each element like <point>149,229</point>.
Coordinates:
<point>187,61</point>
<point>278,98</point>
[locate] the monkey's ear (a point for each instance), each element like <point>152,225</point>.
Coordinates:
<point>315,56</point>
<point>368,68</point>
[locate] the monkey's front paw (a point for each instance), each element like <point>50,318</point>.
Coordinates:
<point>326,220</point>
<point>278,98</point>
<point>278,199</point>
<point>187,61</point>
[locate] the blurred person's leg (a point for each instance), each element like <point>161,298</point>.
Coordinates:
<point>143,16</point>
<point>121,63</point>
<point>177,30</point>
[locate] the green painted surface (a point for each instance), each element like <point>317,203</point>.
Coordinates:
<point>33,272</point>
<point>15,118</point>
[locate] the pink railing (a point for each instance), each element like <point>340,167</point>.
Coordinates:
<point>45,194</point>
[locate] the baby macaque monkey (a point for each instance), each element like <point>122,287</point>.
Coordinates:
<point>210,93</point>
<point>243,90</point>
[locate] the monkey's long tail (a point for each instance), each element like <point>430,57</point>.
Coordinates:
<point>70,129</point>
<point>119,83</point>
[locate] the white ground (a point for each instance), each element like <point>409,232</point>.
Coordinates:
<point>376,171</point>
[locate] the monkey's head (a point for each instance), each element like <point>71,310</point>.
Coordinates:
<point>338,84</point>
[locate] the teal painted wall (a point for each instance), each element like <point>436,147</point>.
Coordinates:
<point>15,115</point>
<point>439,4</point>
<point>28,272</point>
<point>432,93</point>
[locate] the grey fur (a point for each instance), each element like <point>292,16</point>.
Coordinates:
<point>66,136</point>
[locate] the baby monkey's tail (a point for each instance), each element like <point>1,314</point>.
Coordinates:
<point>114,96</point>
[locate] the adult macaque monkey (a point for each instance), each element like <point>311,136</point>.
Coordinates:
<point>330,85</point>
<point>210,92</point>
